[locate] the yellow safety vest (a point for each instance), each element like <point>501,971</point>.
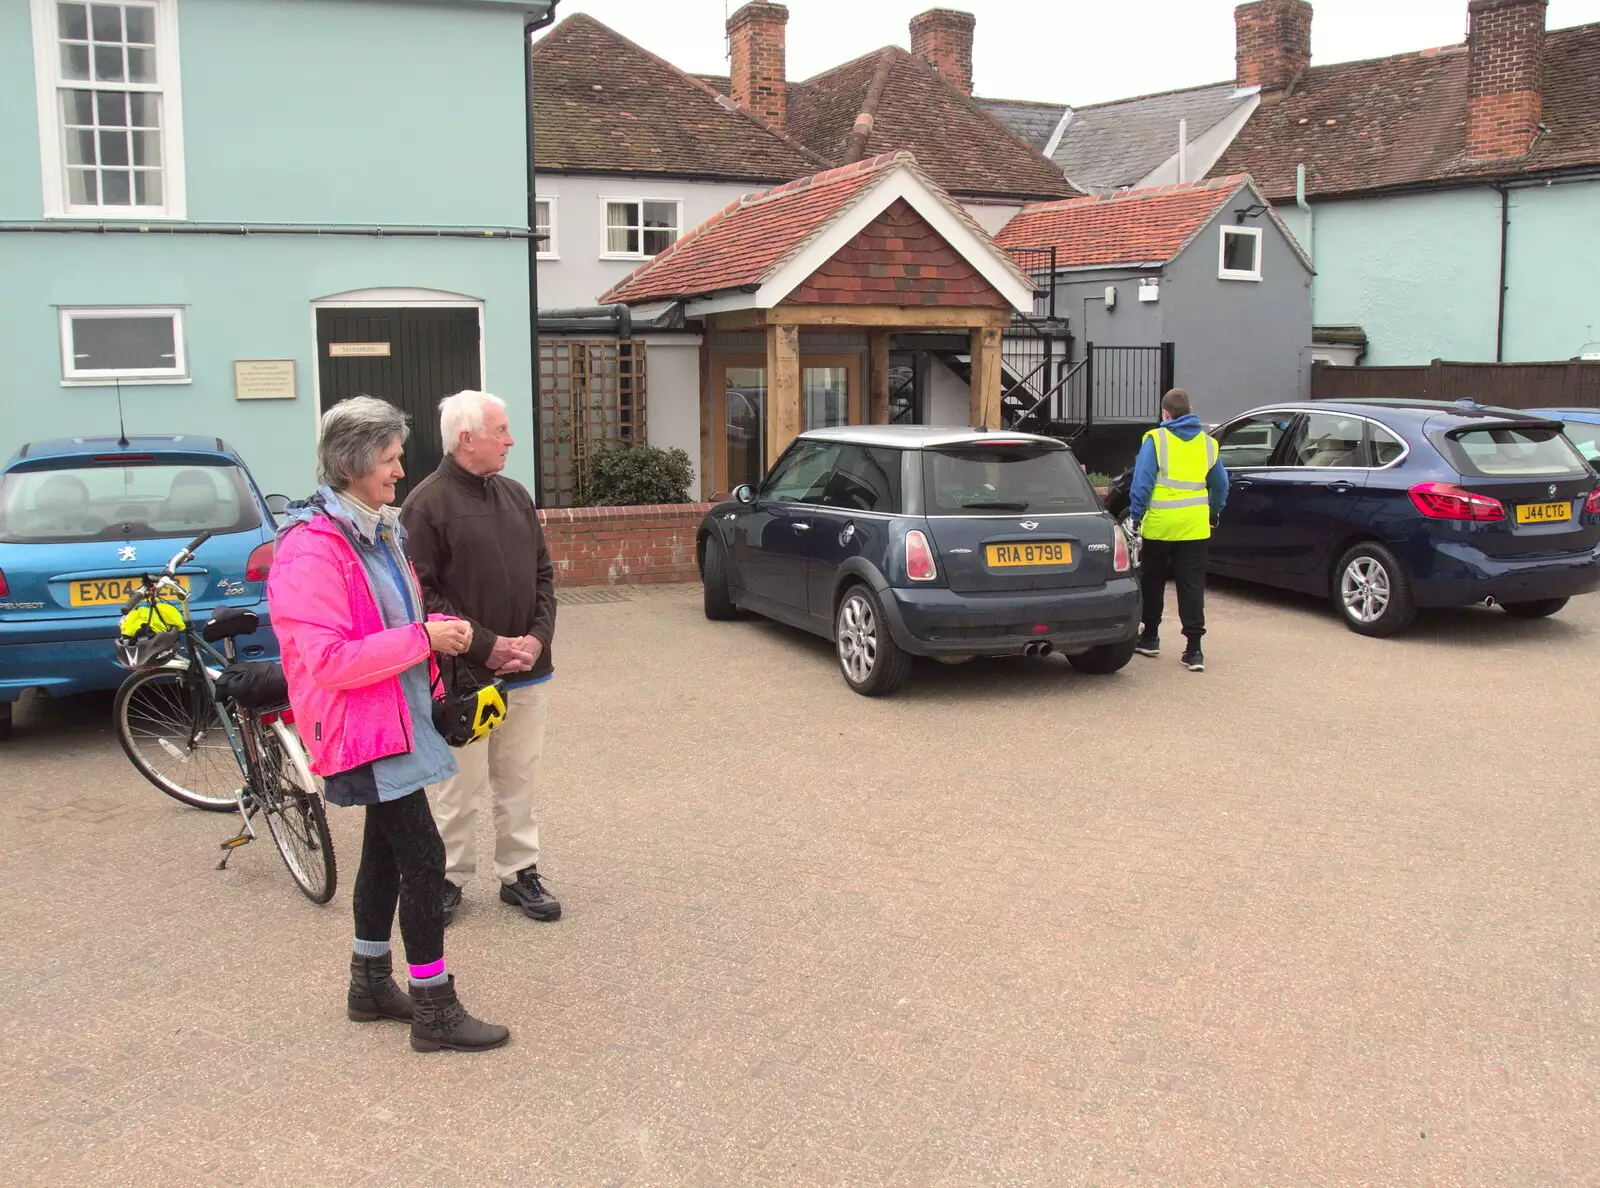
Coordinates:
<point>1180,507</point>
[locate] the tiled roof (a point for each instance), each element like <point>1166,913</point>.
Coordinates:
<point>1107,145</point>
<point>742,243</point>
<point>900,102</point>
<point>1149,226</point>
<point>603,104</point>
<point>1401,121</point>
<point>1034,122</point>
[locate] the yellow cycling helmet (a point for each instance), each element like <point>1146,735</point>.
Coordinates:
<point>464,714</point>
<point>149,634</point>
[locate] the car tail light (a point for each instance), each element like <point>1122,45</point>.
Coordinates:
<point>5,587</point>
<point>1592,507</point>
<point>1120,561</point>
<point>260,562</point>
<point>919,558</point>
<point>1446,501</point>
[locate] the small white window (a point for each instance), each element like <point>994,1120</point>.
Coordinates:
<point>109,115</point>
<point>636,229</point>
<point>1240,254</point>
<point>544,226</point>
<point>99,345</point>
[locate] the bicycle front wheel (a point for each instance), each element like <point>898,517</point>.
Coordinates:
<point>294,813</point>
<point>170,731</point>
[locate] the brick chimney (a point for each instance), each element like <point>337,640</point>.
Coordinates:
<point>942,37</point>
<point>756,42</point>
<point>1273,40</point>
<point>1505,51</point>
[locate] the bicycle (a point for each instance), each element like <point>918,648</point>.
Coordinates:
<point>186,708</point>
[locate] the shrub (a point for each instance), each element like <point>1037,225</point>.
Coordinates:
<point>619,474</point>
<point>1097,479</point>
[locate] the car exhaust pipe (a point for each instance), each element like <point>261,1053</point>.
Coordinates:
<point>1489,602</point>
<point>1043,648</point>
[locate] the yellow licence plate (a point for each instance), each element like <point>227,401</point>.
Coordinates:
<point>1006,556</point>
<point>1543,513</point>
<point>108,591</point>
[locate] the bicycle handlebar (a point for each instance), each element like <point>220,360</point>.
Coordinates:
<point>186,554</point>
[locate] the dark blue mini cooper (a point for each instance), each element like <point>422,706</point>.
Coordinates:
<point>901,541</point>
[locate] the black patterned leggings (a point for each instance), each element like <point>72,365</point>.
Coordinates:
<point>402,862</point>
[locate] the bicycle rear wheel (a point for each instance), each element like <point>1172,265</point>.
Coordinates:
<point>294,814</point>
<point>172,734</point>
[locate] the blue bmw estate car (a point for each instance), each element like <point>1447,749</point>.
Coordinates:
<point>1389,505</point>
<point>81,519</point>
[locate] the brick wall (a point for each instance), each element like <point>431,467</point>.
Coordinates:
<point>1505,44</point>
<point>943,38</point>
<point>897,259</point>
<point>1272,42</point>
<point>602,546</point>
<point>758,72</point>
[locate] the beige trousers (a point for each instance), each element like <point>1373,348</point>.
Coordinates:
<point>507,764</point>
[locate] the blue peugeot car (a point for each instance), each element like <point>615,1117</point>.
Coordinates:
<point>82,518</point>
<point>1386,506</point>
<point>1582,429</point>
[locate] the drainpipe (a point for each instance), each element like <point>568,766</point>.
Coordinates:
<point>528,31</point>
<point>1500,311</point>
<point>1183,151</point>
<point>1311,218</point>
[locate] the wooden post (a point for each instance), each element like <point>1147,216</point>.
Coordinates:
<point>878,370</point>
<point>986,377</point>
<point>783,389</point>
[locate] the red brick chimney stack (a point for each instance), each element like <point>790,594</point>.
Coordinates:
<point>759,79</point>
<point>1505,48</point>
<point>943,38</point>
<point>1273,40</point>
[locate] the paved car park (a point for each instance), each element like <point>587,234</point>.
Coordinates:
<point>1322,915</point>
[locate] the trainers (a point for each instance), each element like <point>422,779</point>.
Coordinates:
<point>528,893</point>
<point>451,902</point>
<point>1148,645</point>
<point>1194,659</point>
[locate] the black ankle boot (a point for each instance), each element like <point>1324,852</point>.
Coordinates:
<point>373,994</point>
<point>442,1022</point>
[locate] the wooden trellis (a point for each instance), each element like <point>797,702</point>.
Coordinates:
<point>591,390</point>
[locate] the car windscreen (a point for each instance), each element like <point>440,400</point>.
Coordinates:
<point>1513,451</point>
<point>1586,439</point>
<point>978,479</point>
<point>124,501</point>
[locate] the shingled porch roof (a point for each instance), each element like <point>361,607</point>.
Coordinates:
<point>762,247</point>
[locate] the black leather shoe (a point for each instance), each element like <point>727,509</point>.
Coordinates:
<point>528,893</point>
<point>373,993</point>
<point>451,902</point>
<point>442,1022</point>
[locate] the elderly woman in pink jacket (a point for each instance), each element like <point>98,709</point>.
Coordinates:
<point>357,652</point>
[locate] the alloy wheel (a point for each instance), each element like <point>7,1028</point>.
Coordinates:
<point>857,633</point>
<point>1365,590</point>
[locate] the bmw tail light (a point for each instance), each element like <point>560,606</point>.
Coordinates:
<point>919,557</point>
<point>1120,561</point>
<point>1446,501</point>
<point>260,562</point>
<point>1592,507</point>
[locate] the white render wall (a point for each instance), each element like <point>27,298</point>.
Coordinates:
<point>672,397</point>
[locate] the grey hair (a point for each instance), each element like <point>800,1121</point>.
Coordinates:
<point>353,435</point>
<point>463,413</point>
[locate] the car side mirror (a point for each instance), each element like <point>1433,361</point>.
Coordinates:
<point>744,493</point>
<point>277,504</point>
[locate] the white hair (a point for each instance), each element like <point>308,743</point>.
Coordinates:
<point>464,413</point>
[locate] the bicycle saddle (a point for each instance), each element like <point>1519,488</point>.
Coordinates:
<point>228,622</point>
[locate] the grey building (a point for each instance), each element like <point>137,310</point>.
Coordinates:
<point>1207,267</point>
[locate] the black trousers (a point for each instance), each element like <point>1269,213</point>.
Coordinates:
<point>402,862</point>
<point>1184,561</point>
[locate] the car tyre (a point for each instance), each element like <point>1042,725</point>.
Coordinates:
<point>1372,591</point>
<point>869,660</point>
<point>719,602</point>
<point>5,720</point>
<point>1539,608</point>
<point>1103,660</point>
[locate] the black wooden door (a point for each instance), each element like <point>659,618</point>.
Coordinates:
<point>431,353</point>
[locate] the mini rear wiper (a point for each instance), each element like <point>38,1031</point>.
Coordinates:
<point>997,505</point>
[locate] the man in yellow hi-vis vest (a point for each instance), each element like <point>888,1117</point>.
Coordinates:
<point>1179,489</point>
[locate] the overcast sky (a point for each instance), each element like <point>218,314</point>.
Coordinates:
<point>1070,51</point>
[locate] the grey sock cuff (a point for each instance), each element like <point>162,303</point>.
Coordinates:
<point>436,980</point>
<point>366,948</point>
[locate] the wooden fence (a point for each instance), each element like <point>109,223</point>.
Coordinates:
<point>1574,384</point>
<point>590,391</point>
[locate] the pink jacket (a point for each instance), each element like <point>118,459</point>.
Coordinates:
<point>342,664</point>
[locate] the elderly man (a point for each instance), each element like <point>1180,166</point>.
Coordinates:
<point>474,538</point>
